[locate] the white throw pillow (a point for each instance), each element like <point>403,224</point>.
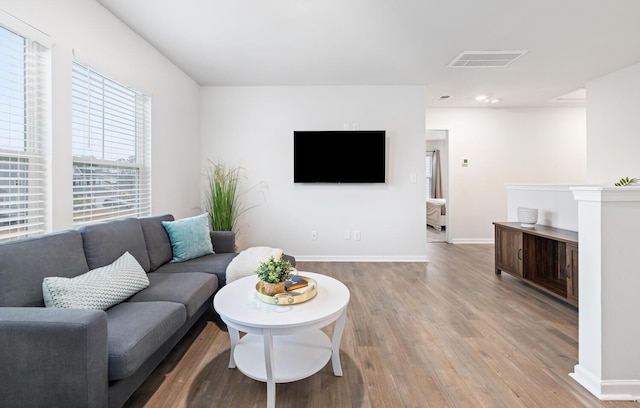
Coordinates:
<point>99,288</point>
<point>248,260</point>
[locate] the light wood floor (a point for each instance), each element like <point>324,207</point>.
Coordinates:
<point>434,235</point>
<point>445,334</point>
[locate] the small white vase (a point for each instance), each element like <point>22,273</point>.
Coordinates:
<point>527,217</point>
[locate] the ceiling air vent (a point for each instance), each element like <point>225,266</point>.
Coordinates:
<point>485,59</point>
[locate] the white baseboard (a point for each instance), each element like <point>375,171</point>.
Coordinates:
<point>472,241</point>
<point>607,390</point>
<point>357,258</point>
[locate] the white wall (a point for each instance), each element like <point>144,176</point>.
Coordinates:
<point>103,42</point>
<point>554,202</point>
<point>613,124</point>
<point>608,355</point>
<point>609,358</point>
<point>505,146</point>
<point>253,127</point>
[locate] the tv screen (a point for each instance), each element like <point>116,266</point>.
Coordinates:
<point>349,156</point>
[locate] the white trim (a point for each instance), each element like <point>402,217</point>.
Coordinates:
<point>586,379</point>
<point>356,258</point>
<point>25,29</point>
<point>608,390</point>
<point>606,194</point>
<point>473,241</point>
<point>542,187</point>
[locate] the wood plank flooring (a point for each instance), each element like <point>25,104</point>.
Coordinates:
<point>449,333</point>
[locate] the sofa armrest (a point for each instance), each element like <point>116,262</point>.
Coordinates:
<point>53,356</point>
<point>223,241</point>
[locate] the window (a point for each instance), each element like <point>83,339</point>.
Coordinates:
<point>429,172</point>
<point>24,132</point>
<point>111,149</point>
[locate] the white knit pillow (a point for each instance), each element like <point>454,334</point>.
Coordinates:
<point>99,288</point>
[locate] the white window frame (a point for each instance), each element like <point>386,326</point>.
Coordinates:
<point>25,130</point>
<point>111,143</point>
<point>429,172</point>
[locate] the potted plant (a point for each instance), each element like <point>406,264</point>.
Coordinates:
<point>626,181</point>
<point>222,198</point>
<point>273,273</point>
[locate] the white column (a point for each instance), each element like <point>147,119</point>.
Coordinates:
<point>609,291</point>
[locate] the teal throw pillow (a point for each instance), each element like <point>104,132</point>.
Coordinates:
<point>189,237</point>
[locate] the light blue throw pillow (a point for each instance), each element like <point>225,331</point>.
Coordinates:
<point>189,237</point>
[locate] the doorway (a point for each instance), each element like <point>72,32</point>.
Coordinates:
<point>437,182</point>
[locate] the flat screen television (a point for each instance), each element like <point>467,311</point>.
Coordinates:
<point>347,156</point>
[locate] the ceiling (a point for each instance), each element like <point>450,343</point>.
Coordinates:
<point>394,42</point>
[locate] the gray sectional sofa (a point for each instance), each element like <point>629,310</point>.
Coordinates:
<point>97,358</point>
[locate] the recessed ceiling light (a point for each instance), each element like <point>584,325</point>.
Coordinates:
<point>481,98</point>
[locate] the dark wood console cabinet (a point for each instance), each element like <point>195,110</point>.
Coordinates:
<point>544,257</point>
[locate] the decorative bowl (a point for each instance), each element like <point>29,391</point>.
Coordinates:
<point>527,217</point>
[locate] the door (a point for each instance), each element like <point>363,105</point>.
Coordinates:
<point>508,251</point>
<point>437,226</point>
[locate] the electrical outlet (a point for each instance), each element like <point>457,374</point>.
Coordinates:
<point>413,178</point>
<point>356,235</point>
<point>347,234</point>
<point>314,235</point>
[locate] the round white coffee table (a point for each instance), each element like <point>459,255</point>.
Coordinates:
<point>283,343</point>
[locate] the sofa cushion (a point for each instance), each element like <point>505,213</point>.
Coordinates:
<point>105,242</point>
<point>136,330</point>
<point>192,289</point>
<point>99,288</point>
<point>215,264</point>
<point>189,237</point>
<point>157,240</point>
<point>25,263</point>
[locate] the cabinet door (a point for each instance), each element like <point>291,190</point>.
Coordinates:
<point>572,272</point>
<point>508,251</point>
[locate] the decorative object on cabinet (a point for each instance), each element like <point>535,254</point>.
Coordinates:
<point>527,216</point>
<point>545,258</point>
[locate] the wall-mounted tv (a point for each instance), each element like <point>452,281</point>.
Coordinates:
<point>347,156</point>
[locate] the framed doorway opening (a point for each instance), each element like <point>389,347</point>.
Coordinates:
<point>437,206</point>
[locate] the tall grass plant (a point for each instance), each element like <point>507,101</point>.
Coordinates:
<point>223,203</point>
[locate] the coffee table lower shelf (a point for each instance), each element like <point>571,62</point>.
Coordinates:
<point>296,356</point>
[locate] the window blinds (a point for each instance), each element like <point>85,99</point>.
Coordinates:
<point>428,172</point>
<point>24,131</point>
<point>111,149</point>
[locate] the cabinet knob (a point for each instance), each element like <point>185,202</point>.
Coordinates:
<point>520,254</point>
<point>567,271</point>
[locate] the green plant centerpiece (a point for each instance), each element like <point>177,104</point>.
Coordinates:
<point>273,273</point>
